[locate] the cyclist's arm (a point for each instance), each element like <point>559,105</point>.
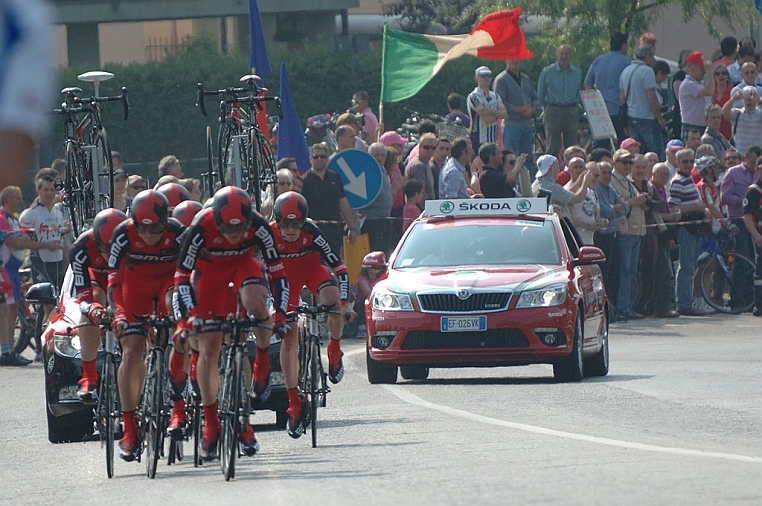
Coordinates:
<point>193,243</point>
<point>80,263</point>
<point>120,245</point>
<point>275,269</point>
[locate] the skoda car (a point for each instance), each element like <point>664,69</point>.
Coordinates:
<point>484,283</point>
<point>68,418</point>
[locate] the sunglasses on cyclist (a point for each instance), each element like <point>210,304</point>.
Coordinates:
<point>229,229</point>
<point>154,228</point>
<point>292,224</point>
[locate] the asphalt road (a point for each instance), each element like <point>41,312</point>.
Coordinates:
<point>678,421</point>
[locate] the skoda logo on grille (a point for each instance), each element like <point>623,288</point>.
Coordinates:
<point>463,294</point>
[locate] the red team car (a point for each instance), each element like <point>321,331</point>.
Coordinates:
<point>484,283</point>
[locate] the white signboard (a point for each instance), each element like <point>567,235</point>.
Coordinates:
<point>597,115</point>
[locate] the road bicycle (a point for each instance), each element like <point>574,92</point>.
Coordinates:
<point>244,157</point>
<point>313,384</point>
<point>155,405</point>
<point>723,273</point>
<point>89,180</point>
<point>108,410</point>
<point>31,313</point>
<point>233,396</point>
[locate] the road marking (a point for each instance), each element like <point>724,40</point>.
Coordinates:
<point>400,392</point>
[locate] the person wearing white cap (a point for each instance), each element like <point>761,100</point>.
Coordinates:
<point>485,108</point>
<point>545,184</point>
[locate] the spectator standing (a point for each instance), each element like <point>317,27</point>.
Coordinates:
<point>670,153</point>
<point>630,236</point>
<point>569,153</point>
<point>558,94</point>
<point>441,154</point>
<point>586,215</point>
<point>424,127</point>
<point>751,220</point>
<point>722,89</point>
<point>414,198</point>
<point>120,187</point>
<point>560,197</point>
<point>352,120</point>
<point>664,282</point>
<point>615,210</point>
<point>376,223</point>
<point>135,185</point>
<point>455,108</point>
<point>604,74</point>
<point>494,179</point>
<point>745,55</point>
<point>418,167</point>
<point>713,134</point>
<point>747,122</point>
<point>346,137</point>
<point>170,166</point>
<point>519,97</point>
<point>749,74</point>
<point>397,180</point>
<point>695,92</point>
<point>637,86</point>
<point>649,241</point>
<point>326,200</point>
<point>452,179</point>
<point>729,50</point>
<point>361,104</point>
<point>485,108</point>
<point>684,195</point>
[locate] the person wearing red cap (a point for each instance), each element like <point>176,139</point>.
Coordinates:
<point>695,92</point>
<point>631,145</point>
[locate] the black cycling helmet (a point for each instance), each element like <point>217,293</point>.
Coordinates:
<point>291,206</point>
<point>149,207</point>
<point>186,211</point>
<point>175,193</point>
<point>232,207</point>
<point>104,224</point>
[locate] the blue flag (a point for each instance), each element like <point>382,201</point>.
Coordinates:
<point>758,5</point>
<point>258,59</point>
<point>291,141</point>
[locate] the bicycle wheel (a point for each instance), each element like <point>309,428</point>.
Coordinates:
<point>717,287</point>
<point>25,328</point>
<point>228,405</point>
<point>228,172</point>
<point>103,167</point>
<point>107,410</point>
<point>210,176</point>
<point>197,421</point>
<point>263,177</point>
<point>314,386</point>
<point>154,429</point>
<point>74,188</point>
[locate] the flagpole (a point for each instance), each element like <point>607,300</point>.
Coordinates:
<point>380,119</point>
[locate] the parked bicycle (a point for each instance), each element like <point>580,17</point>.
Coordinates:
<point>721,270</point>
<point>89,181</point>
<point>31,315</point>
<point>244,157</point>
<point>313,384</point>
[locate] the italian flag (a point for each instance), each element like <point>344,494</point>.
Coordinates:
<point>410,60</point>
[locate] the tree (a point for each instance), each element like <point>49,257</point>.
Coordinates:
<point>457,16</point>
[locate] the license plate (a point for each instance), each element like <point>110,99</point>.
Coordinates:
<point>463,323</point>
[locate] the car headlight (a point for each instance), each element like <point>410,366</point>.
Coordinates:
<point>67,346</point>
<point>553,295</point>
<point>387,301</point>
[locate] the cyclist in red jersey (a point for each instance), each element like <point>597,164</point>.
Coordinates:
<point>220,247</point>
<point>88,258</point>
<point>305,253</point>
<point>142,263</point>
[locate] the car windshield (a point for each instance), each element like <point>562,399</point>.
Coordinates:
<point>469,243</point>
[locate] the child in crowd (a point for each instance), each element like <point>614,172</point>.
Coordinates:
<point>373,266</point>
<point>414,197</point>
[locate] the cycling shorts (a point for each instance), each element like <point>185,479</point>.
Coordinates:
<point>314,277</point>
<point>213,295</point>
<point>26,66</point>
<point>138,296</point>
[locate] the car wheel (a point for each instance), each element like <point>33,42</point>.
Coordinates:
<point>571,368</point>
<point>598,364</point>
<point>281,417</point>
<point>378,372</point>
<point>414,372</point>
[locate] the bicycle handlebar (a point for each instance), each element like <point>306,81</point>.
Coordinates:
<point>311,311</point>
<point>234,92</point>
<point>86,104</point>
<point>422,115</point>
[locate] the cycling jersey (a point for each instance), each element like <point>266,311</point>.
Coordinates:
<point>305,260</point>
<point>214,262</point>
<point>140,273</point>
<point>88,266</point>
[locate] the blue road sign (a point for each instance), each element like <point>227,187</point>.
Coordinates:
<point>360,174</point>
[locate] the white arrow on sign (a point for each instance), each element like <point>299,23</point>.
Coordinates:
<point>356,184</point>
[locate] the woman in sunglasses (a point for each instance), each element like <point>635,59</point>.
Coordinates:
<point>142,262</point>
<point>221,247</point>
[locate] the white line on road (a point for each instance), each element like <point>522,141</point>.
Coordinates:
<point>401,393</point>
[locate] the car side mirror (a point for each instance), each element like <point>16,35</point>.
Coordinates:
<point>590,255</point>
<point>41,293</point>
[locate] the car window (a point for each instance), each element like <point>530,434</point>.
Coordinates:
<point>451,245</point>
<point>572,237</point>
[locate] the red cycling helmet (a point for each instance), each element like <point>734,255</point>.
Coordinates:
<point>185,211</point>
<point>175,193</point>
<point>149,207</point>
<point>232,207</point>
<point>291,206</point>
<point>104,224</point>
<point>374,260</point>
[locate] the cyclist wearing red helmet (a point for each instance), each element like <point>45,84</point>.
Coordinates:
<point>142,262</point>
<point>305,252</point>
<point>186,211</point>
<point>88,258</point>
<point>220,247</point>
<point>175,193</point>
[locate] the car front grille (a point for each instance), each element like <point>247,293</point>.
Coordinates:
<point>435,340</point>
<point>451,303</point>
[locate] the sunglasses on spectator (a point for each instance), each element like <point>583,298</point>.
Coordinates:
<point>428,147</point>
<point>511,162</point>
<point>721,73</point>
<point>138,186</point>
<point>319,157</point>
<point>690,160</point>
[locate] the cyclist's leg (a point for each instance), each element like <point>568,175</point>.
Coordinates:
<point>130,378</point>
<point>254,292</point>
<point>208,376</point>
<point>89,338</point>
<point>328,295</point>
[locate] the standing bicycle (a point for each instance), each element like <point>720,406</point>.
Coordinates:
<point>306,255</point>
<point>89,169</point>
<point>718,265</point>
<point>243,157</point>
<point>221,246</point>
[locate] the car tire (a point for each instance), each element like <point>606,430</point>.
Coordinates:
<point>380,373</point>
<point>598,364</point>
<point>281,417</point>
<point>571,368</point>
<point>414,372</point>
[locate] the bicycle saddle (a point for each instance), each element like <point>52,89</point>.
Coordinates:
<point>249,77</point>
